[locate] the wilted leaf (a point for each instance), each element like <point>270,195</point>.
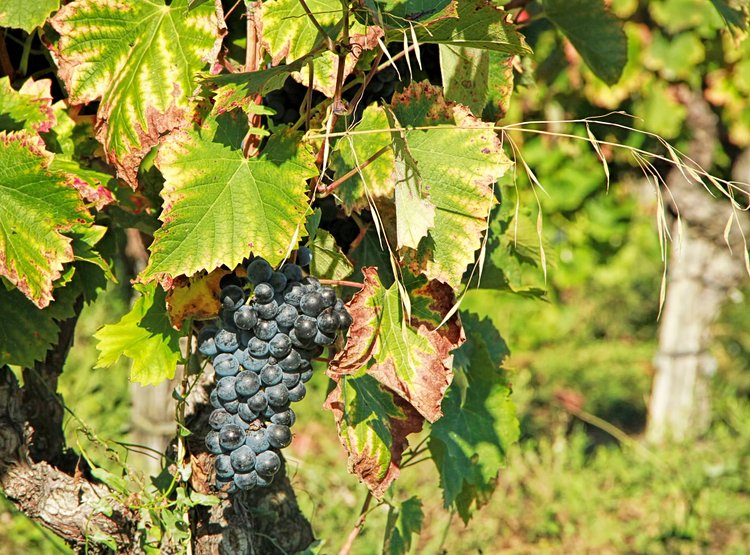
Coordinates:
<point>144,335</point>
<point>372,424</point>
<point>414,360</point>
<point>36,207</point>
<point>22,14</point>
<point>469,444</point>
<point>404,522</point>
<point>219,206</point>
<point>195,297</point>
<point>139,58</point>
<point>28,108</point>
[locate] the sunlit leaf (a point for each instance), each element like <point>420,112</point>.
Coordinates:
<point>22,14</point>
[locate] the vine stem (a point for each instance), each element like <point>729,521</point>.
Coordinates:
<point>327,189</point>
<point>5,63</point>
<point>252,141</point>
<point>347,547</point>
<point>342,283</point>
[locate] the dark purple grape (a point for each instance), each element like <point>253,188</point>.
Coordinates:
<point>267,463</point>
<point>345,319</point>
<point>231,406</point>
<point>310,352</point>
<point>265,330</point>
<point>258,402</point>
<point>225,388</point>
<point>254,364</point>
<point>226,364</point>
<point>237,420</point>
<point>292,272</point>
<point>305,327</point>
<point>206,342</point>
<point>219,418</point>
<point>232,297</point>
<point>246,481</point>
<point>259,271</point>
<point>297,393</point>
<point>246,413</point>
<point>226,341</point>
<point>280,345</point>
<point>298,343</point>
<point>215,401</point>
<point>279,436</point>
<point>264,482</point>
<point>247,383</point>
<point>245,318</point>
<point>223,466</point>
<point>306,375</point>
<point>257,440</point>
<point>277,395</point>
<point>304,256</point>
<point>257,347</point>
<point>212,443</point>
<point>324,339</point>
<point>231,436</point>
<point>328,296</point>
<point>286,316</point>
<point>293,294</point>
<point>268,310</point>
<point>243,459</point>
<point>278,281</point>
<point>227,486</point>
<point>311,304</point>
<point>285,418</point>
<point>271,375</point>
<point>328,322</point>
<point>291,362</point>
<point>311,283</point>
<point>263,293</point>
<point>290,379</point>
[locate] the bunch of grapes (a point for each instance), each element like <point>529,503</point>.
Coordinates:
<point>271,326</point>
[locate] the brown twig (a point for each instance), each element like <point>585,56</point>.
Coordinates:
<point>5,63</point>
<point>252,141</point>
<point>337,183</point>
<point>347,547</point>
<point>342,283</point>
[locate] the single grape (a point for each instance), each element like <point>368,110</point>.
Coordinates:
<point>226,364</point>
<point>206,342</point>
<point>298,343</point>
<point>257,347</point>
<point>245,318</point>
<point>291,362</point>
<point>293,294</point>
<point>304,256</point>
<point>246,481</point>
<point>286,316</point>
<point>277,395</point>
<point>280,345</point>
<point>254,364</point>
<point>215,401</point>
<point>219,418</point>
<point>292,272</point>
<point>246,413</point>
<point>243,459</point>
<point>212,443</point>
<point>265,330</point>
<point>290,379</point>
<point>279,436</point>
<point>328,296</point>
<point>231,406</point>
<point>311,304</point>
<point>231,436</point>
<point>305,327</point>
<point>338,305</point>
<point>285,418</point>
<point>237,420</point>
<point>297,393</point>
<point>258,402</point>
<point>247,383</point>
<point>225,388</point>
<point>324,339</point>
<point>306,375</point>
<point>223,466</point>
<point>259,271</point>
<point>271,375</point>
<point>257,440</point>
<point>345,319</point>
<point>263,293</point>
<point>312,283</point>
<point>328,322</point>
<point>278,281</point>
<point>268,310</point>
<point>232,297</point>
<point>226,341</point>
<point>267,463</point>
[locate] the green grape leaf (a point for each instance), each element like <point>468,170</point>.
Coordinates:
<point>377,179</point>
<point>27,332</point>
<point>413,360</point>
<point>500,87</point>
<point>469,444</point>
<point>465,73</point>
<point>459,168</point>
<point>403,522</point>
<point>144,335</point>
<point>327,259</point>
<point>92,185</point>
<point>36,208</point>
<point>372,424</point>
<point>84,242</point>
<point>28,108</point>
<point>733,17</point>
<point>139,59</point>
<point>479,25</point>
<point>21,14</point>
<point>398,13</point>
<point>220,206</point>
<point>595,33</point>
